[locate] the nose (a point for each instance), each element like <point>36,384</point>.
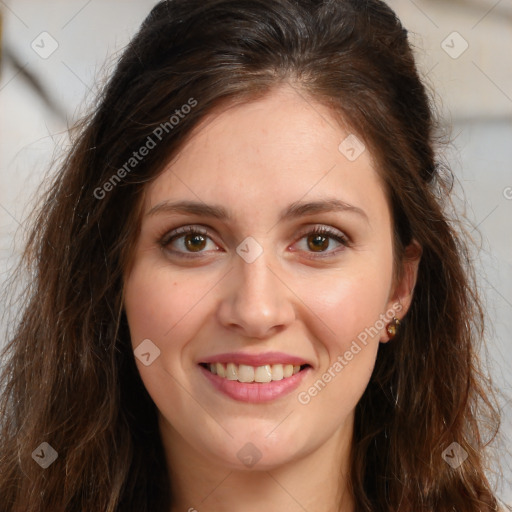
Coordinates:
<point>257,303</point>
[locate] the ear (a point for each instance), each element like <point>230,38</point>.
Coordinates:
<point>401,298</point>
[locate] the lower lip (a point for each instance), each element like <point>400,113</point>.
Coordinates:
<point>255,392</point>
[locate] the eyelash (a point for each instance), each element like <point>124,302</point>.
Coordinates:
<point>168,238</point>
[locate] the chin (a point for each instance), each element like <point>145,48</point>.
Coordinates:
<point>255,451</point>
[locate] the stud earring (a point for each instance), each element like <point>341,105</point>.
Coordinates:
<point>392,327</point>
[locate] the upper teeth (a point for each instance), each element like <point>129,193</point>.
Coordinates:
<point>244,373</point>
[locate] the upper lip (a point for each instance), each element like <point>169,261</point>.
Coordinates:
<point>255,359</point>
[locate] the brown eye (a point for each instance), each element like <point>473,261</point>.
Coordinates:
<point>324,241</point>
<point>195,242</point>
<point>186,241</point>
<point>318,242</point>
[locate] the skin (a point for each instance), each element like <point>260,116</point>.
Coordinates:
<point>256,159</point>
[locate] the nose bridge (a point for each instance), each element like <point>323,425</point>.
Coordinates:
<point>253,266</point>
<point>257,278</point>
<point>257,301</point>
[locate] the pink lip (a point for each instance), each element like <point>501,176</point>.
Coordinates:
<point>255,392</point>
<point>256,359</point>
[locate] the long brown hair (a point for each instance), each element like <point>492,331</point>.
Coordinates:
<point>70,379</point>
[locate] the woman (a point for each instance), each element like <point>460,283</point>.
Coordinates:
<point>246,289</point>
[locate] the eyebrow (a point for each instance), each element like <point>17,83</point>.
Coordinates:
<point>294,210</point>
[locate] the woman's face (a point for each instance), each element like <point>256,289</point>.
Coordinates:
<point>253,293</point>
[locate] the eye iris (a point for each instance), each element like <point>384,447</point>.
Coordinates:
<point>195,242</point>
<point>318,242</point>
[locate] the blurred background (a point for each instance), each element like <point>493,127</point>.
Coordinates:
<point>56,54</point>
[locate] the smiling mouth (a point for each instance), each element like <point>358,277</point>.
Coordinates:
<point>259,374</point>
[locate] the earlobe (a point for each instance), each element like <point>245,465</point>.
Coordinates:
<point>404,289</point>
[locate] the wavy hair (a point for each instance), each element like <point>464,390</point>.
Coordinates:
<point>69,377</point>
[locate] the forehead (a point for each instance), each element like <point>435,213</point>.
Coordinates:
<point>278,149</point>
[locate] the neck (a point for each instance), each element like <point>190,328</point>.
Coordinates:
<point>316,481</point>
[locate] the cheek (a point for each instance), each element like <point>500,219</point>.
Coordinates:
<point>350,305</point>
<point>163,307</point>
<point>159,304</point>
<point>348,320</point>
